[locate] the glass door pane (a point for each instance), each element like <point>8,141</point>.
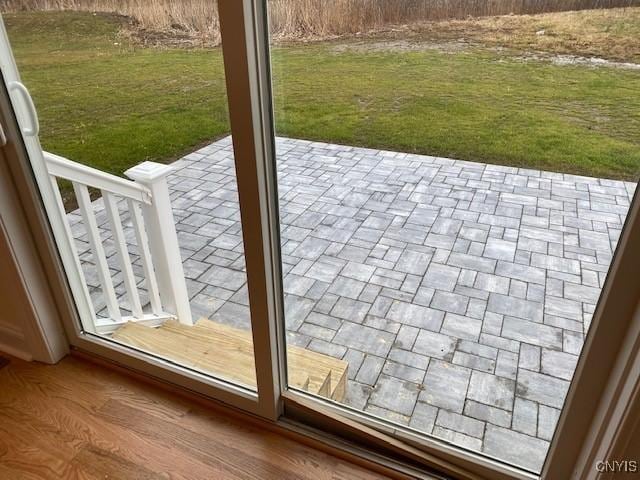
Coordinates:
<point>452,184</point>
<point>138,176</point>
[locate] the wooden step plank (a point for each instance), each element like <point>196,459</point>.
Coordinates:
<point>192,352</point>
<point>221,350</point>
<point>299,358</point>
<point>243,345</point>
<point>302,363</point>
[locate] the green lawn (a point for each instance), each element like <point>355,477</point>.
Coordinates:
<point>111,104</point>
<point>107,104</point>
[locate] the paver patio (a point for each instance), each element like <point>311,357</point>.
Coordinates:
<point>459,292</point>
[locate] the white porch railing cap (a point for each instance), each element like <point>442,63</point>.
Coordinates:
<point>83,174</point>
<point>148,172</point>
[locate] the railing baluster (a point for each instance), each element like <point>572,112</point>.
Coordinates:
<point>158,219</point>
<point>145,256</point>
<point>149,205</point>
<point>123,253</point>
<point>89,219</point>
<point>74,249</point>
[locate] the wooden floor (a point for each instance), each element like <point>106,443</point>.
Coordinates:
<point>79,420</point>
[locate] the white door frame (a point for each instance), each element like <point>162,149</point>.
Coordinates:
<point>245,48</point>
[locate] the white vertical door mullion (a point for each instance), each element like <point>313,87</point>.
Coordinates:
<point>145,256</point>
<point>269,203</point>
<point>248,91</point>
<point>89,219</point>
<point>122,251</point>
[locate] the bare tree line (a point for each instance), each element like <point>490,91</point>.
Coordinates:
<point>309,18</point>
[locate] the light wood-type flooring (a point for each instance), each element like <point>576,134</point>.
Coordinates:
<point>80,420</point>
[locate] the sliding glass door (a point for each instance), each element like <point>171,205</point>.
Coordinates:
<point>383,210</point>
<point>151,217</point>
<point>450,203</point>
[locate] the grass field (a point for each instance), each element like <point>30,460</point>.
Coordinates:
<point>197,20</point>
<point>108,102</point>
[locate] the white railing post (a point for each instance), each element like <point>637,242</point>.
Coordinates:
<point>163,239</point>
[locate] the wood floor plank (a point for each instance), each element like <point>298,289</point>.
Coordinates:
<point>236,460</point>
<point>293,456</point>
<point>105,464</point>
<point>31,456</point>
<point>78,420</point>
<point>95,431</point>
<point>73,381</point>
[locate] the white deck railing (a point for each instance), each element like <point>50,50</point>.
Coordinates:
<point>147,200</point>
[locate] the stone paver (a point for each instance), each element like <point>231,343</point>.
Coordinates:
<point>459,292</point>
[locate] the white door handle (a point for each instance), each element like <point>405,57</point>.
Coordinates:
<point>30,108</point>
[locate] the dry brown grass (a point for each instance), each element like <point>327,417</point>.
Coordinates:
<point>194,17</point>
<point>295,19</point>
<point>322,18</point>
<point>613,34</point>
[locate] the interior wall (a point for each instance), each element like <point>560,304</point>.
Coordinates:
<point>13,303</point>
<point>30,326</point>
